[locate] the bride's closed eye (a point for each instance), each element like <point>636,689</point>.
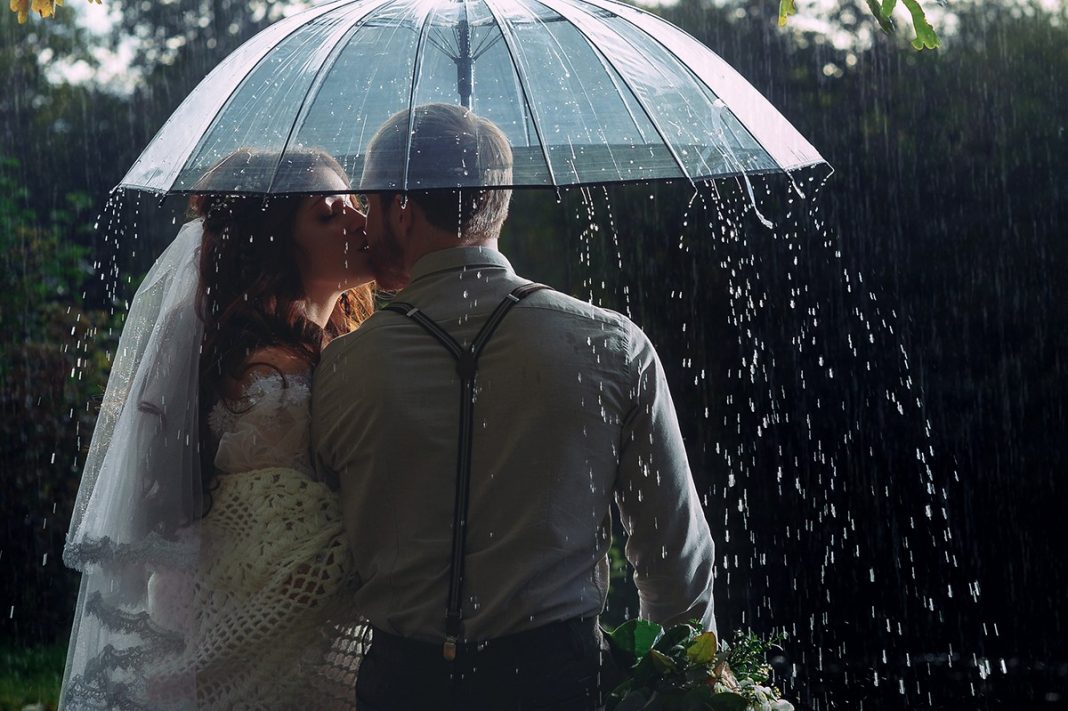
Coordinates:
<point>328,211</point>
<point>337,208</point>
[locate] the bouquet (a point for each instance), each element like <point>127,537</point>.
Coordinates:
<point>688,668</point>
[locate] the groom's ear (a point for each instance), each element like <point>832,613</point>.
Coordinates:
<point>404,214</point>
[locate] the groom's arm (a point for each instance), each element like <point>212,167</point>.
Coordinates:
<point>320,419</point>
<point>669,542</point>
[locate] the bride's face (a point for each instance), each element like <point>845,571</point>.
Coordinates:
<point>330,240</point>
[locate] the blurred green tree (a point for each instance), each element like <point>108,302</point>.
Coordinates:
<point>53,363</point>
<point>926,38</point>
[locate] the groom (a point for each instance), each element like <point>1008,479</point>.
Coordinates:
<point>485,595</point>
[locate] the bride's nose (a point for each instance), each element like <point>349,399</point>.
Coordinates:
<point>342,206</point>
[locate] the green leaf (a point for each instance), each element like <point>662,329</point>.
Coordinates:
<point>727,701</point>
<point>786,8</point>
<point>679,634</point>
<point>632,640</point>
<point>696,699</point>
<point>703,650</point>
<point>663,662</point>
<point>925,34</point>
<point>617,694</point>
<point>747,656</point>
<point>885,21</point>
<point>657,702</point>
<point>634,700</point>
<point>698,675</point>
<point>645,672</point>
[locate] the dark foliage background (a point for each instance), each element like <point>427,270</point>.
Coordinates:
<point>928,274</point>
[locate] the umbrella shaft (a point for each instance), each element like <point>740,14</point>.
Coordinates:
<point>465,66</point>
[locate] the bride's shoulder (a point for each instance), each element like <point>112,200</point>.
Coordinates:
<point>273,387</point>
<point>271,367</point>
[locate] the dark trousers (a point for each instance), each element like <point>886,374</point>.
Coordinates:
<point>562,666</point>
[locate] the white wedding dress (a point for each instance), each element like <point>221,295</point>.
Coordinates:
<point>266,616</point>
<point>236,598</point>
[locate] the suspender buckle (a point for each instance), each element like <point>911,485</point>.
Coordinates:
<point>449,649</point>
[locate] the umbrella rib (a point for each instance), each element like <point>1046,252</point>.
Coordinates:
<point>569,67</point>
<point>604,58</point>
<point>691,72</point>
<point>416,66</point>
<point>444,50</point>
<point>506,35</point>
<point>317,82</point>
<point>237,87</point>
<point>612,77</point>
<point>612,74</point>
<point>486,46</point>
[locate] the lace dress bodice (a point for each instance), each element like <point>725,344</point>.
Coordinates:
<point>270,622</point>
<point>267,427</point>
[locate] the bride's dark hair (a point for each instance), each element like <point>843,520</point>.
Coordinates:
<point>250,295</point>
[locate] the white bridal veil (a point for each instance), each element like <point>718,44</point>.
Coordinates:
<point>140,489</point>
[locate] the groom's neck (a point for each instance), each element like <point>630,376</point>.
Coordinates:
<point>436,242</point>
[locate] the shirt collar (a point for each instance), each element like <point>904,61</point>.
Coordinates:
<point>456,258</point>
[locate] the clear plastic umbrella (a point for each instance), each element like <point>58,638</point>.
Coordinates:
<point>587,92</point>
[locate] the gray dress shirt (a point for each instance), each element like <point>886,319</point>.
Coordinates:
<point>572,410</point>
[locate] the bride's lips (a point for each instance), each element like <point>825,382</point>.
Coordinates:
<point>360,239</point>
<point>364,244</point>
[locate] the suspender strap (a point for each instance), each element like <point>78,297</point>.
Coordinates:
<point>466,367</point>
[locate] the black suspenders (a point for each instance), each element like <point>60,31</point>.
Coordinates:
<point>466,366</point>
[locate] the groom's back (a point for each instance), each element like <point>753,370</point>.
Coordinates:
<point>555,387</point>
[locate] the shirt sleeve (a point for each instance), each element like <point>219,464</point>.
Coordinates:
<point>669,542</point>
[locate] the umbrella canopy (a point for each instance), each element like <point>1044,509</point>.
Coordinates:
<point>586,91</point>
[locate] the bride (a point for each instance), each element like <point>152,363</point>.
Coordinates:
<point>214,568</point>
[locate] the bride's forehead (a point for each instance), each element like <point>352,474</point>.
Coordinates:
<point>326,178</point>
<point>320,202</point>
<point>327,203</point>
<point>315,201</point>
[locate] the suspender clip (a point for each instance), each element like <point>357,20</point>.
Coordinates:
<point>449,649</point>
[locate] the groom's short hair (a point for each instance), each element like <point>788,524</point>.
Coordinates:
<point>449,146</point>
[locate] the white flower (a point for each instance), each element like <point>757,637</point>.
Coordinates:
<point>782,705</point>
<point>761,697</point>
